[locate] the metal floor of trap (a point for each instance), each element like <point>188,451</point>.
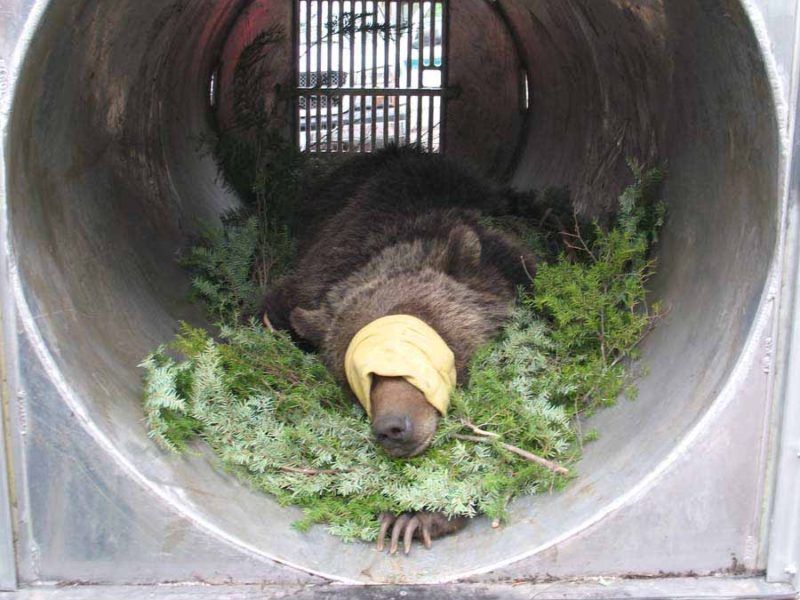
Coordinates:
<point>700,588</point>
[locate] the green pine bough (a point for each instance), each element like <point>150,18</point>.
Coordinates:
<point>275,417</point>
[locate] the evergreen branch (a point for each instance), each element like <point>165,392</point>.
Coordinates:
<point>312,472</point>
<point>651,324</point>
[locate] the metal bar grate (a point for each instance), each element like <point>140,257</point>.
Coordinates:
<point>369,73</point>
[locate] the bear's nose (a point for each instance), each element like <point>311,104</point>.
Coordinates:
<point>393,429</point>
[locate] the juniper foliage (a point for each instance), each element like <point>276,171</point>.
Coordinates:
<point>232,265</point>
<point>272,414</point>
<point>597,306</point>
<point>275,417</point>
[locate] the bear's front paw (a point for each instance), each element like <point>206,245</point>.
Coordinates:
<point>425,525</point>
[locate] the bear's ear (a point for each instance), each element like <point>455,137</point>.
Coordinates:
<point>463,252</point>
<point>310,325</point>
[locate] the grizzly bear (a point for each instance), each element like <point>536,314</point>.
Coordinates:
<point>394,251</point>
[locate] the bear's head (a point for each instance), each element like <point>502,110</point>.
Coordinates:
<point>400,331</point>
<point>403,418</point>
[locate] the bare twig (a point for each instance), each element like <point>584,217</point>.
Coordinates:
<point>525,268</point>
<point>548,464</point>
<point>572,250</point>
<point>269,369</point>
<point>577,235</point>
<point>545,216</point>
<point>311,471</point>
<point>603,330</point>
<point>603,336</point>
<point>650,326</point>
<point>578,426</point>
<point>478,430</point>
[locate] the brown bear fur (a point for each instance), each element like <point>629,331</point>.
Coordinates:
<point>403,236</point>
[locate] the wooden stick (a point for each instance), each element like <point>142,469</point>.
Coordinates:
<point>524,453</point>
<point>579,236</point>
<point>525,268</point>
<point>478,430</point>
<point>554,467</point>
<point>310,471</point>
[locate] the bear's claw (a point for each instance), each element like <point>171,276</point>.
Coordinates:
<point>267,323</point>
<point>426,525</point>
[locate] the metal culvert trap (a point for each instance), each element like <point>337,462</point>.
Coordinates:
<point>105,183</point>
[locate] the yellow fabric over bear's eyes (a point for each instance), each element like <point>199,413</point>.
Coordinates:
<point>401,346</point>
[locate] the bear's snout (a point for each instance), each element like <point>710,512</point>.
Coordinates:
<point>393,429</point>
<point>403,421</point>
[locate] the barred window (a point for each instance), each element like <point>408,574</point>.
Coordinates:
<point>370,73</point>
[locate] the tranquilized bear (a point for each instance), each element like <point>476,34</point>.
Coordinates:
<point>397,286</point>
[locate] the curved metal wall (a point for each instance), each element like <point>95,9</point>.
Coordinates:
<point>104,183</point>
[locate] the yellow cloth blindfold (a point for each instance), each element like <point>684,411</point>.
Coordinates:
<point>401,346</point>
